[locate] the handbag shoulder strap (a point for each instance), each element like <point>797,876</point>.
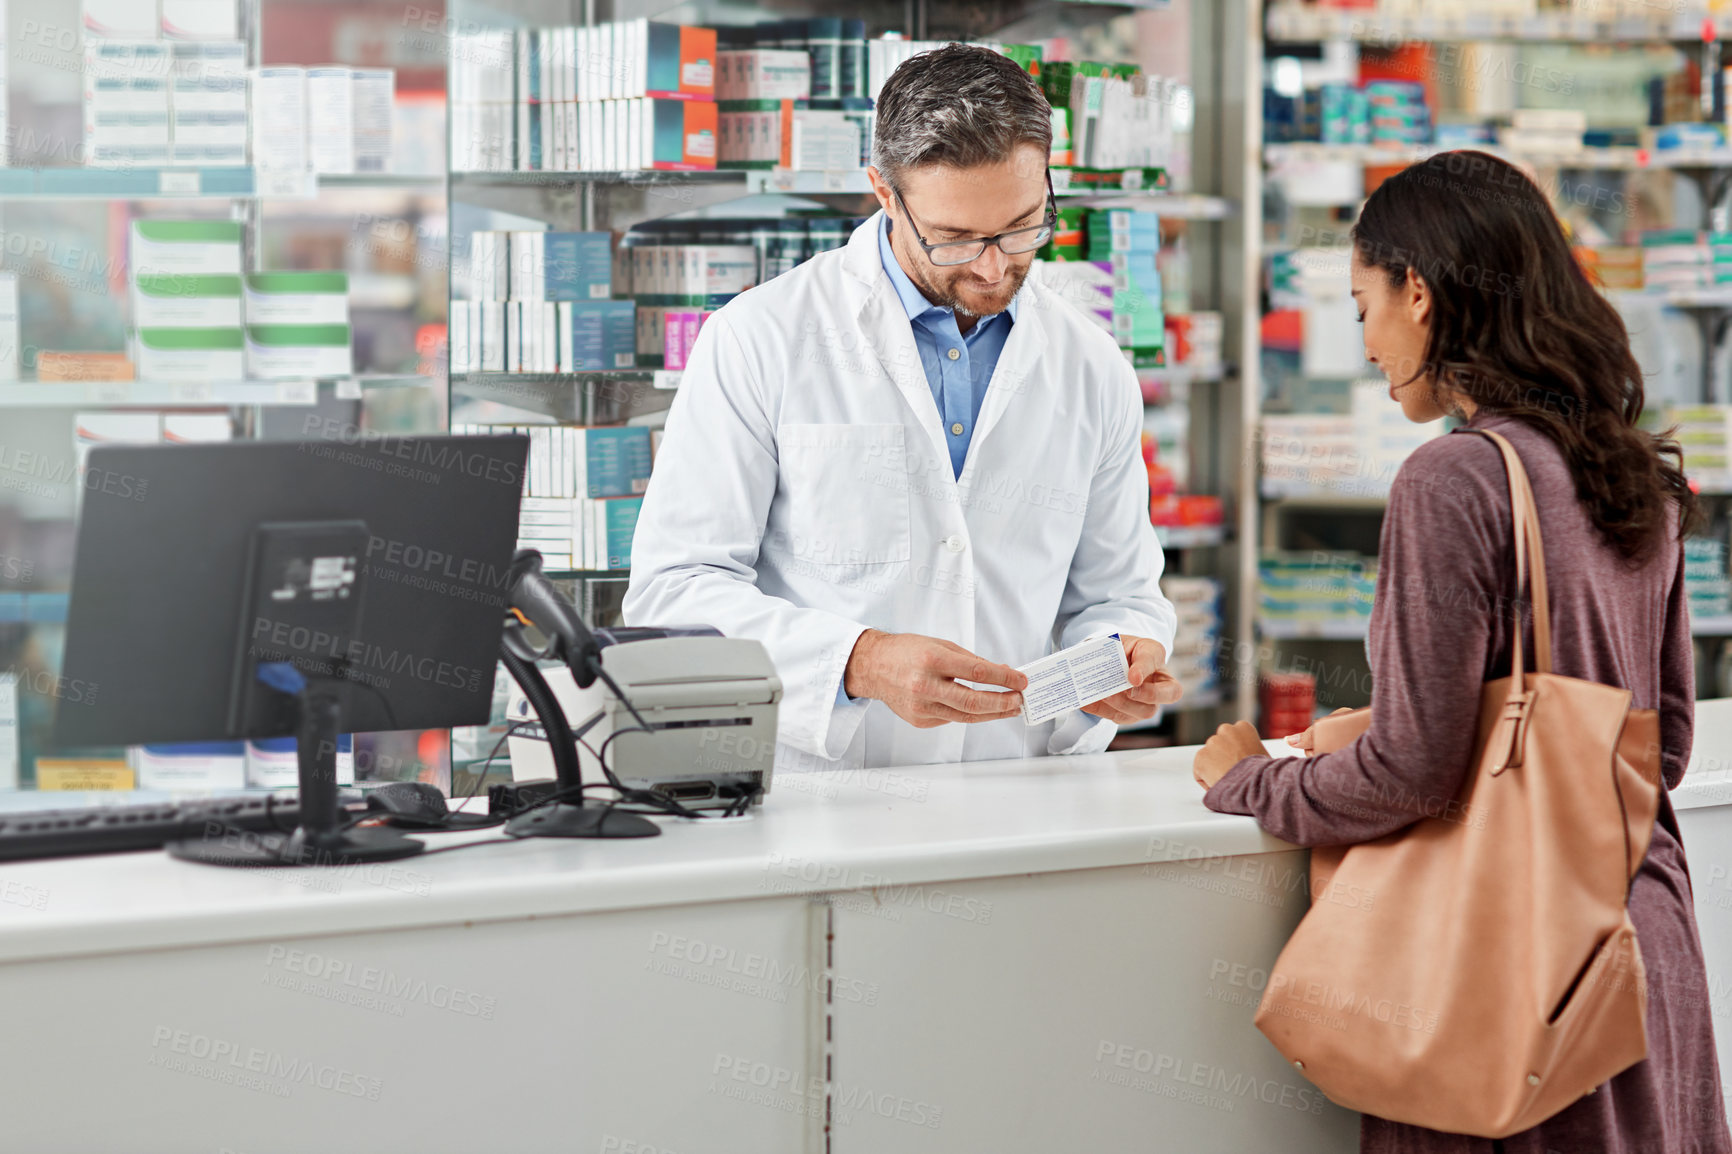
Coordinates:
<point>1525,515</point>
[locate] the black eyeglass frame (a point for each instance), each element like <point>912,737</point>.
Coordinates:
<point>983,241</point>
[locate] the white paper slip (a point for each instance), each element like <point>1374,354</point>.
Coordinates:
<point>1073,678</point>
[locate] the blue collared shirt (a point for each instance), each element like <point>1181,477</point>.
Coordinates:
<point>957,367</point>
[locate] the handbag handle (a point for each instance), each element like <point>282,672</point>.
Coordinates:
<point>1528,545</point>
<point>1513,721</point>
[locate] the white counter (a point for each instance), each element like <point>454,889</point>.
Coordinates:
<point>1043,955</point>
<point>815,833</point>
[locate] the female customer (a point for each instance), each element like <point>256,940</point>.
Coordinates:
<point>1474,306</point>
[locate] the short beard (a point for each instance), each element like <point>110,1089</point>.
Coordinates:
<point>948,300</point>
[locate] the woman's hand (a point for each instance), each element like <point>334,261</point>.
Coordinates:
<point>1231,744</point>
<point>1306,737</point>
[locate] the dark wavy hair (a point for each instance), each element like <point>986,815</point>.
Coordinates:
<point>1518,327</point>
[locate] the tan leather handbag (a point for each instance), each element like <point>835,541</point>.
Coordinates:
<point>1477,971</point>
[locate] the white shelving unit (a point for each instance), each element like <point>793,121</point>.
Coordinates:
<point>193,394</point>
<point>1610,159</point>
<point>1296,22</point>
<point>1288,22</point>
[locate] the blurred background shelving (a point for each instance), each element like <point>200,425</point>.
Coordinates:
<point>1618,111</point>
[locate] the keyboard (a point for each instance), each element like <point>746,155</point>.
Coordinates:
<point>151,825</point>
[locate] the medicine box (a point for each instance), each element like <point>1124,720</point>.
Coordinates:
<point>752,133</point>
<point>680,335</point>
<point>208,120</point>
<point>609,461</point>
<point>67,366</point>
<point>126,102</point>
<point>373,104</point>
<point>297,298</point>
<point>597,335</point>
<point>189,354</point>
<point>682,134</point>
<point>763,74</point>
<point>186,301</point>
<point>557,266</point>
<point>83,774</point>
<point>274,762</point>
<point>331,119</point>
<point>671,60</point>
<point>614,520</point>
<point>821,140</point>
<point>207,59</point>
<point>194,766</point>
<point>193,247</point>
<point>278,352</point>
<point>279,118</point>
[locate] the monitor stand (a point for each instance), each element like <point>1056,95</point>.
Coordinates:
<point>320,839</point>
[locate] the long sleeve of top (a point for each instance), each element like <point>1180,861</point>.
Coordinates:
<point>1442,625</point>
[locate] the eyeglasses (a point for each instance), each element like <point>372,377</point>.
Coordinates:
<point>1012,243</point>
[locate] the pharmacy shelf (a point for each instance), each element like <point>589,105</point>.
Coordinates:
<point>196,394</point>
<point>560,179</point>
<point>432,181</point>
<point>1343,630</point>
<point>1172,205</point>
<point>1172,375</point>
<point>1715,626</point>
<point>158,394</point>
<point>600,397</point>
<point>588,574</point>
<point>1294,22</point>
<point>219,183</point>
<point>154,184</point>
<point>853,181</point>
<point>33,608</point>
<point>1702,298</point>
<point>361,382</point>
<point>1314,152</point>
<point>656,378</point>
<point>1273,490</point>
<point>1190,536</point>
<point>760,181</point>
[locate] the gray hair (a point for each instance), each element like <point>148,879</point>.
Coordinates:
<point>961,106</point>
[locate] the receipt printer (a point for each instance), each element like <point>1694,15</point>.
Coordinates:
<point>711,701</point>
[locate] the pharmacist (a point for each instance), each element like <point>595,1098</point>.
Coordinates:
<point>905,469</point>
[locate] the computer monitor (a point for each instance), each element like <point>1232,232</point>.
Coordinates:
<point>304,588</point>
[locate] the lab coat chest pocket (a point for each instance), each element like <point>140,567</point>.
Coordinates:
<point>845,492</point>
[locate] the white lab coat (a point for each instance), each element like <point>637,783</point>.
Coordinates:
<point>803,492</point>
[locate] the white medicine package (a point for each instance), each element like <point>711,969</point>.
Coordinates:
<point>1073,678</point>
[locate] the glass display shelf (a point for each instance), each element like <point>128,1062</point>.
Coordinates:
<point>208,183</point>
<point>1190,536</point>
<point>1343,630</point>
<point>1300,23</point>
<point>193,394</point>
<point>1623,158</point>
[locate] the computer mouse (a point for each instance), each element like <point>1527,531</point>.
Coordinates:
<point>409,803</point>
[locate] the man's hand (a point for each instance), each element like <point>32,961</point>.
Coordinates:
<point>1151,687</point>
<point>916,676</point>
<point>1231,744</point>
